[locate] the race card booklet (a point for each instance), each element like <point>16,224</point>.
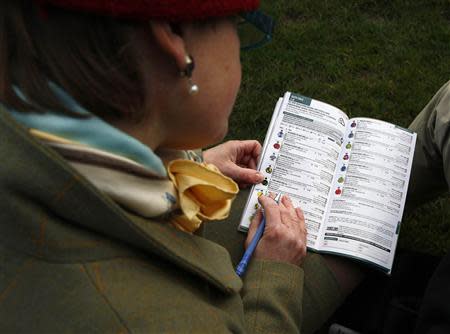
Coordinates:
<point>350,177</point>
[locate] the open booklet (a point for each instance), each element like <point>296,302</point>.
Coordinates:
<point>350,177</point>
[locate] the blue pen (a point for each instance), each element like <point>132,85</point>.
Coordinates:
<point>242,266</point>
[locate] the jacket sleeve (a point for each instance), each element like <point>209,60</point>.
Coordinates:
<point>272,296</point>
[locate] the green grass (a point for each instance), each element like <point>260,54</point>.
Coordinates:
<point>381,59</point>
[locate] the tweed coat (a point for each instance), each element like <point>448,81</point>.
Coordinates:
<point>73,261</point>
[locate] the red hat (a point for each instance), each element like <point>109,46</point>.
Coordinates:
<point>172,10</point>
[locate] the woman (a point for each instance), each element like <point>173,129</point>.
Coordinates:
<point>101,203</point>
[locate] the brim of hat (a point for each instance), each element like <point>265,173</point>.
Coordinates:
<point>173,10</point>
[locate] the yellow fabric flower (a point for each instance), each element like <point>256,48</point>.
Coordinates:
<point>204,193</point>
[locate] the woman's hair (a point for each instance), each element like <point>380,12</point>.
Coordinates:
<point>98,60</point>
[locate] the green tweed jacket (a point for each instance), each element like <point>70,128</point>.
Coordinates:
<point>72,261</point>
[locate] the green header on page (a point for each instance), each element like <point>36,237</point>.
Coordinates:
<point>300,99</point>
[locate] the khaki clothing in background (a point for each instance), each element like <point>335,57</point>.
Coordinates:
<point>430,175</point>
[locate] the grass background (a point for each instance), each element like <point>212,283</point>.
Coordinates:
<point>381,59</point>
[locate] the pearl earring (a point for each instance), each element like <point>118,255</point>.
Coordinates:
<point>190,65</point>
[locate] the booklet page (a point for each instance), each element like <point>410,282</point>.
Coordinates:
<point>369,191</point>
<point>299,158</point>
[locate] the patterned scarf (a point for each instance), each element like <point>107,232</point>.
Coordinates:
<point>175,186</point>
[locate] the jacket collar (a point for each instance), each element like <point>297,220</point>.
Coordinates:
<point>43,200</point>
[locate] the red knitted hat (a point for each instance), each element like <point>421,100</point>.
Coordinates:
<point>173,10</point>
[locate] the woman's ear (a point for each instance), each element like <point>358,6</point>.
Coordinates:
<point>170,42</point>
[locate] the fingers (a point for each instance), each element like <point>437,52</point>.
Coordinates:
<point>253,163</point>
<point>300,214</point>
<point>284,237</point>
<point>271,210</point>
<point>302,225</point>
<point>283,212</point>
<point>250,147</point>
<point>238,160</point>
<point>288,214</point>
<point>286,201</point>
<point>248,152</point>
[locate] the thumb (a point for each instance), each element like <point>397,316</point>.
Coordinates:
<point>245,175</point>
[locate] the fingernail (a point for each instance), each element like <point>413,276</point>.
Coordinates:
<point>260,176</point>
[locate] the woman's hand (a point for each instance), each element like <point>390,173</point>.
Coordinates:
<point>237,159</point>
<point>284,237</point>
